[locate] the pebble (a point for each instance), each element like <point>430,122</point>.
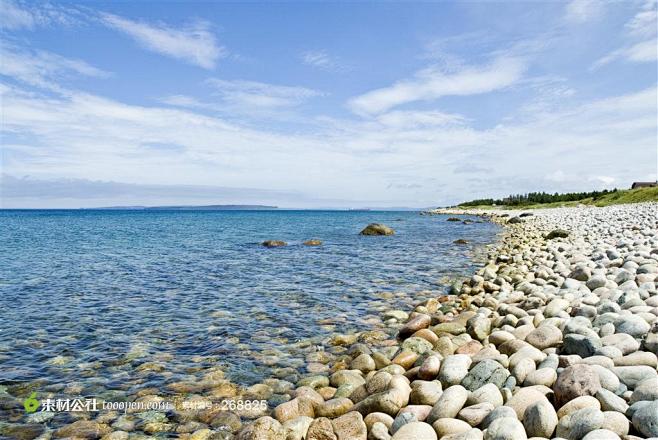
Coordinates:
<point>449,404</point>
<point>645,419</point>
<point>449,426</point>
<point>453,369</point>
<point>486,371</point>
<point>575,381</point>
<point>415,431</point>
<point>540,419</point>
<point>505,428</point>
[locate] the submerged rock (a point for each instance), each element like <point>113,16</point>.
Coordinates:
<point>377,229</point>
<point>274,243</point>
<point>313,242</point>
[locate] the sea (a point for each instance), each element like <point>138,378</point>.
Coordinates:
<point>88,297</point>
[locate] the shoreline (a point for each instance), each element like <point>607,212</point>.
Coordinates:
<point>541,341</point>
<point>468,349</point>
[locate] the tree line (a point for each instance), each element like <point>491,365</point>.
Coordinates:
<point>539,197</point>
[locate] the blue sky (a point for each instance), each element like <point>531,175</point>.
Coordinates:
<point>323,104</point>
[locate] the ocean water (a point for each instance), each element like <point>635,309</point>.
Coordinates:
<point>87,297</point>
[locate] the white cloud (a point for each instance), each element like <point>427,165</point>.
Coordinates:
<point>430,84</point>
<point>322,60</point>
<point>253,94</point>
<point>580,11</point>
<point>183,101</point>
<point>644,23</point>
<point>643,29</point>
<point>195,44</point>
<point>13,17</point>
<point>413,119</point>
<point>646,51</point>
<point>19,15</point>
<point>41,68</point>
<point>84,136</point>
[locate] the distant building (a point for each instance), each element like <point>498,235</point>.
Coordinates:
<point>643,184</point>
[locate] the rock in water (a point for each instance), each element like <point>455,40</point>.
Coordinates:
<point>274,243</point>
<point>377,229</point>
<point>313,242</point>
<point>460,241</point>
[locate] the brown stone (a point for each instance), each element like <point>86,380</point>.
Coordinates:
<point>575,381</point>
<point>350,427</point>
<point>321,429</point>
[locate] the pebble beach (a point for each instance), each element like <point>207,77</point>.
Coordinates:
<point>555,337</point>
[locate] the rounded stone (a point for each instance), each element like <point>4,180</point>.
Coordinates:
<point>377,229</point>
<point>523,398</point>
<point>645,390</point>
<point>430,368</point>
<point>475,414</point>
<point>449,404</point>
<point>265,428</point>
<point>334,408</point>
<point>577,404</point>
<point>364,363</point>
<point>453,369</point>
<point>601,434</point>
<point>544,336</point>
<point>584,421</point>
<point>543,376</point>
<point>350,426</point>
<point>424,392</point>
<point>575,381</point>
<point>633,325</point>
<point>505,428</point>
<point>449,426</point>
<point>616,422</point>
<point>486,371</point>
<point>497,413</point>
<point>378,417</point>
<point>378,431</point>
<point>487,393</point>
<point>540,419</point>
<point>415,431</point>
<point>645,419</point>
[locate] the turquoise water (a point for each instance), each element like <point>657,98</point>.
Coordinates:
<point>86,297</point>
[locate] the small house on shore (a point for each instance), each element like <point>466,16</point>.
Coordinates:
<point>643,185</point>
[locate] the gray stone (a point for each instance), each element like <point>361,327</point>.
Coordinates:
<point>610,401</point>
<point>584,421</point>
<point>632,325</point>
<point>645,419</point>
<point>486,371</point>
<point>497,413</point>
<point>581,345</point>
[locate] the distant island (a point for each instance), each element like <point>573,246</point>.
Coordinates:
<point>192,208</point>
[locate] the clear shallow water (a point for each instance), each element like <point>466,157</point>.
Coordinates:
<point>86,297</point>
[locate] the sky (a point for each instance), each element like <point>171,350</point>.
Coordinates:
<point>311,105</point>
